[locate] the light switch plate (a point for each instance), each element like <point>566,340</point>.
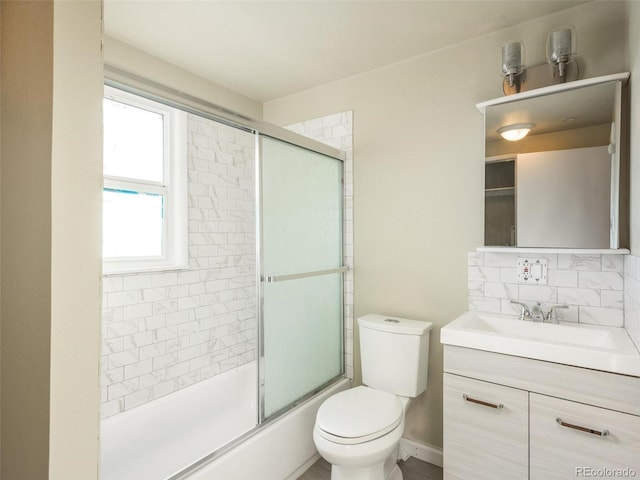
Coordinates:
<point>532,271</point>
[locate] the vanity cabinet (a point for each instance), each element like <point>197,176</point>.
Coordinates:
<point>568,438</point>
<point>518,418</point>
<point>486,430</point>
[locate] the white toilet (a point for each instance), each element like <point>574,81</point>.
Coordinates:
<point>358,430</point>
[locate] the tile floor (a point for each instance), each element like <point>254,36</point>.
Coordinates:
<point>412,469</point>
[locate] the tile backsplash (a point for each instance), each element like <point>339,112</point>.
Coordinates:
<point>591,284</point>
<point>632,297</point>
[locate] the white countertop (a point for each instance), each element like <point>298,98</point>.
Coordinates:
<point>608,349</point>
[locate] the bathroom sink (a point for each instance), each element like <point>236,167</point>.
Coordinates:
<point>544,332</point>
<point>590,346</point>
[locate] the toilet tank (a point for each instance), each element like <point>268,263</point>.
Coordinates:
<point>394,354</point>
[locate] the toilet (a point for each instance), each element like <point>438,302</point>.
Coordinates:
<point>358,430</point>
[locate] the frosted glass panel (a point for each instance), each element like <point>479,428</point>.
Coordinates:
<point>302,337</point>
<point>302,205</point>
<point>302,234</point>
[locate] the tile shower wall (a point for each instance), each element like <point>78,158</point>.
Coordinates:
<point>632,297</point>
<point>337,130</point>
<point>168,330</point>
<point>592,285</point>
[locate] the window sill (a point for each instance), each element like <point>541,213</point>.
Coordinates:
<point>107,272</point>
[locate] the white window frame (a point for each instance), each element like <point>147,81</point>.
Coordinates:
<point>173,188</point>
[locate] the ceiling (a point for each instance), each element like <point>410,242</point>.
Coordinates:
<point>269,49</point>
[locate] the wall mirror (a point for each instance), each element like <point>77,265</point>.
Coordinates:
<point>565,183</point>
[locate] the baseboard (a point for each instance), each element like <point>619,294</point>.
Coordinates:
<point>304,467</point>
<point>422,451</point>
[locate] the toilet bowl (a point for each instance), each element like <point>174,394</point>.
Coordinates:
<point>359,430</point>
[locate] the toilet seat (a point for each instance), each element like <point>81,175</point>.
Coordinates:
<point>358,415</point>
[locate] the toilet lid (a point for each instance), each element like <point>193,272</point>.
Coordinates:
<point>358,415</point>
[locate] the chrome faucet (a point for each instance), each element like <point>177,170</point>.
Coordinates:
<point>525,313</point>
<point>536,313</point>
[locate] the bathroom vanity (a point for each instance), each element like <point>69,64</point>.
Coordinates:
<point>516,408</point>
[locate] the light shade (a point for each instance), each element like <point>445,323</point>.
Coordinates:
<point>512,58</point>
<point>516,131</point>
<point>561,45</point>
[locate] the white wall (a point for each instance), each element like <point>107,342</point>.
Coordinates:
<point>418,170</point>
<point>121,55</point>
<point>76,233</point>
<point>51,203</point>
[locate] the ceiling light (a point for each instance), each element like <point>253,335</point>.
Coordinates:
<point>516,131</point>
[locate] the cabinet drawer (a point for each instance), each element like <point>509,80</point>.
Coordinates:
<point>486,430</point>
<point>593,442</point>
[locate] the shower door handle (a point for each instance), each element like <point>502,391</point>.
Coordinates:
<point>294,276</point>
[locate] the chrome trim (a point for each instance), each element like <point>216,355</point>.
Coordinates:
<point>259,285</point>
<point>295,276</point>
<point>132,83</point>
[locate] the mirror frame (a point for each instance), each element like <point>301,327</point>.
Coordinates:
<point>619,229</point>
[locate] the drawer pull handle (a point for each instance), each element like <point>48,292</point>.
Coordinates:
<point>482,402</point>
<point>603,433</point>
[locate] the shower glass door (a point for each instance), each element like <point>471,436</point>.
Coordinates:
<point>301,273</point>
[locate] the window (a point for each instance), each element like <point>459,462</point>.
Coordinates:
<point>145,185</point>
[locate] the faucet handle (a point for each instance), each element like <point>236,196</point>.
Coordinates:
<point>549,316</point>
<point>525,313</point>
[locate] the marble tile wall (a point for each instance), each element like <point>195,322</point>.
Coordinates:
<point>632,297</point>
<point>592,285</point>
<point>168,330</point>
<point>337,130</point>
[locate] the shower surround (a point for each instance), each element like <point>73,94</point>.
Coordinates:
<point>164,331</point>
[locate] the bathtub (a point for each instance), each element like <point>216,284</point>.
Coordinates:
<point>158,440</point>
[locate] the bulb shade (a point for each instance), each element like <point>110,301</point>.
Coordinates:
<point>516,132</point>
<point>560,45</point>
<point>512,58</point>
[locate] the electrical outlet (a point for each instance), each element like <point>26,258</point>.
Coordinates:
<point>532,271</point>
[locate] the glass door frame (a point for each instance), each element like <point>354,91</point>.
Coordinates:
<point>261,279</point>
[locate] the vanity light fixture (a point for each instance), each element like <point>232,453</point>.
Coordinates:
<point>513,62</point>
<point>562,66</point>
<point>561,48</point>
<point>515,132</point>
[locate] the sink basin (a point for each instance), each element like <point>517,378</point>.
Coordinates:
<point>544,332</point>
<point>590,346</point>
